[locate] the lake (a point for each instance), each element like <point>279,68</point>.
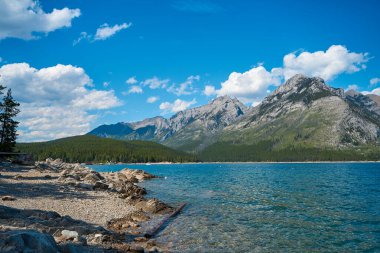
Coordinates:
<point>259,207</point>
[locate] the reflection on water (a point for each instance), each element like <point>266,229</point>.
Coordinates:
<point>269,207</point>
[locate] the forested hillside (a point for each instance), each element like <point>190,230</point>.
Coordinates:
<point>89,148</point>
<point>265,151</point>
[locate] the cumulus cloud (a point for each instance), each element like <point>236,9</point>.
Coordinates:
<point>250,86</point>
<point>131,80</point>
<point>374,81</point>
<point>185,88</point>
<point>153,99</point>
<point>176,106</point>
<point>105,31</point>
<point>155,82</point>
<point>24,19</point>
<point>209,90</point>
<point>327,64</point>
<point>106,84</point>
<point>56,101</point>
<point>253,85</point>
<point>135,89</point>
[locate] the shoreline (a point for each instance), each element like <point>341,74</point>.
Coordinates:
<point>165,163</point>
<point>109,206</point>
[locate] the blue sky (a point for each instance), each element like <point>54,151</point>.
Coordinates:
<point>68,87</point>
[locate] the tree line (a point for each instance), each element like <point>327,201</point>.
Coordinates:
<point>90,148</point>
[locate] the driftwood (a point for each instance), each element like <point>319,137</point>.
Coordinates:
<point>155,229</point>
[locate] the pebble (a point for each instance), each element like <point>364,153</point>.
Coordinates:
<point>8,198</point>
<point>68,234</point>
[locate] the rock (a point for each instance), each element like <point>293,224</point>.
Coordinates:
<point>68,234</point>
<point>133,175</point>
<point>8,198</point>
<point>92,178</point>
<point>84,186</point>
<point>153,206</point>
<point>100,186</point>
<point>136,249</point>
<point>17,177</point>
<point>140,239</point>
<point>73,248</point>
<point>27,241</point>
<point>154,249</point>
<point>139,216</point>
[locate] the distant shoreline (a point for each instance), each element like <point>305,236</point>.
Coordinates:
<point>165,163</point>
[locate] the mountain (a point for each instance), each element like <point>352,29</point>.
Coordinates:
<point>89,148</point>
<point>303,119</point>
<point>374,98</point>
<point>187,130</point>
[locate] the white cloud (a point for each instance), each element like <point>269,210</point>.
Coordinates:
<point>97,99</point>
<point>354,87</point>
<point>106,84</point>
<point>135,89</point>
<point>105,31</point>
<point>250,86</point>
<point>155,82</point>
<point>209,90</point>
<point>131,80</point>
<point>82,36</point>
<point>56,101</point>
<point>374,91</point>
<point>374,81</point>
<point>24,18</point>
<point>153,99</point>
<point>185,88</point>
<point>176,106</point>
<point>326,64</point>
<point>102,33</point>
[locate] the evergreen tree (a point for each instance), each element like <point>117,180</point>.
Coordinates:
<point>8,132</point>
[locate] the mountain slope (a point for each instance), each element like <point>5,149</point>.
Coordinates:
<point>187,130</point>
<point>194,129</point>
<point>89,148</point>
<point>303,115</point>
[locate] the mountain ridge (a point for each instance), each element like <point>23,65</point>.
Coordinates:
<point>304,112</point>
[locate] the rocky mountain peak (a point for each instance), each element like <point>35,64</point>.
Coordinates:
<point>300,88</point>
<point>299,82</point>
<point>216,114</point>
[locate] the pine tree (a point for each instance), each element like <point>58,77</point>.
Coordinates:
<point>8,132</point>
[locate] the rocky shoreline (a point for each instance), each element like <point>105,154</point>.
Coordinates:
<point>61,207</point>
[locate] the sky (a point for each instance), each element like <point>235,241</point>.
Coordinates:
<point>76,64</point>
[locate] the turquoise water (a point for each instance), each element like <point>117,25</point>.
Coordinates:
<point>325,207</point>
